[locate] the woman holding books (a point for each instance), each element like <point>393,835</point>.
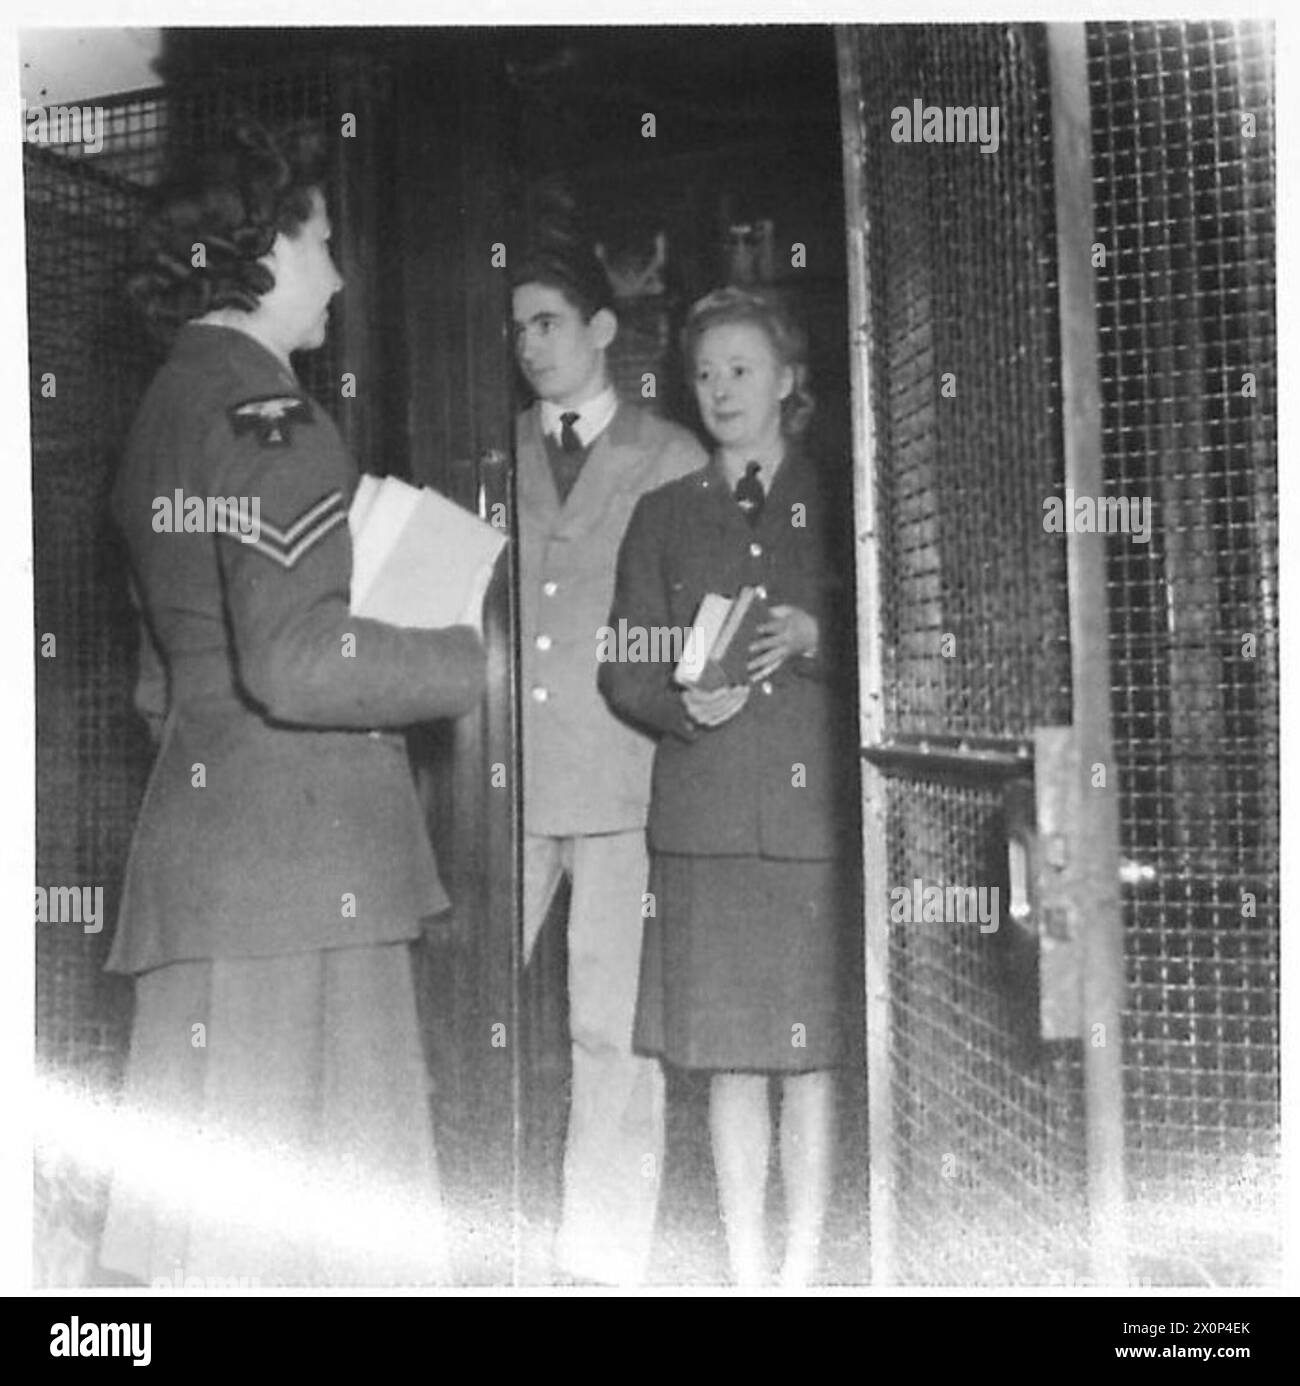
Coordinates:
<point>275,1122</point>
<point>749,964</point>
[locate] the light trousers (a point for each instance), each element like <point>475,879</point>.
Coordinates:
<point>614,1145</point>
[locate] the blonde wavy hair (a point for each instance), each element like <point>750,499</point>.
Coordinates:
<point>765,310</point>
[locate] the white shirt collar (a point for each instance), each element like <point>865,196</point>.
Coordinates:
<point>593,417</point>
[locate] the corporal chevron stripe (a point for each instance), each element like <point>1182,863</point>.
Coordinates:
<point>287,546</point>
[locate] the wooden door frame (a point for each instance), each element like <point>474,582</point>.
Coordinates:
<point>875,865</point>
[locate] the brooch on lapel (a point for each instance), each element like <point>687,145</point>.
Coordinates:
<point>271,418</point>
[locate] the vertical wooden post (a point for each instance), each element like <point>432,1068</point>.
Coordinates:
<point>456,387</point>
<point>1093,866</point>
<point>870,720</point>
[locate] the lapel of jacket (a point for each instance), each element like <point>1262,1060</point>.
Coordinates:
<point>613,462</point>
<point>538,497</point>
<point>796,482</point>
<point>719,512</point>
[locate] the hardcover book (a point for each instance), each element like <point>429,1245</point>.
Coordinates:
<point>717,651</point>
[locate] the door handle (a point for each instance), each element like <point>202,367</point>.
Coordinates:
<point>1051,901</point>
<point>1136,874</point>
<point>1038,815</point>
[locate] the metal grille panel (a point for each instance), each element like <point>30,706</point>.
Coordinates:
<point>968,409</point>
<point>87,370</point>
<point>987,1121</point>
<point>1185,208</point>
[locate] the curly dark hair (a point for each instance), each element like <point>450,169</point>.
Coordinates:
<point>232,198</point>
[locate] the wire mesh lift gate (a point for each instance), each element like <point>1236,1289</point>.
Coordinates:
<point>1088,1091</point>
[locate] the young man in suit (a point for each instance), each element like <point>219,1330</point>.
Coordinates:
<point>585,457</point>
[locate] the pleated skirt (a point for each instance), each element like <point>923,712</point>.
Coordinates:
<point>750,964</point>
<point>276,1127</point>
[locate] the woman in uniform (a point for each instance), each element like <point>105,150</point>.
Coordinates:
<point>275,1116</point>
<point>747,964</point>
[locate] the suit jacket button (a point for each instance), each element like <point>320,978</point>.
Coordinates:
<point>766,685</point>
<point>756,550</point>
<point>549,589</point>
<point>543,642</point>
<point>540,694</point>
<point>761,592</point>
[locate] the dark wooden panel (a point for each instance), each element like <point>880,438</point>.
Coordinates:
<point>455,373</point>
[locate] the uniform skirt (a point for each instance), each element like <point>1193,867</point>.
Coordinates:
<point>277,1127</point>
<point>749,964</point>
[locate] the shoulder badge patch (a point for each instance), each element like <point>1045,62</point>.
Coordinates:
<point>270,418</point>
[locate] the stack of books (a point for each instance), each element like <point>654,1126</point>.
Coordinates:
<point>717,651</point>
<point>418,559</point>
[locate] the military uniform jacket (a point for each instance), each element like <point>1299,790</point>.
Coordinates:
<point>777,779</point>
<point>280,815</point>
<point>585,770</point>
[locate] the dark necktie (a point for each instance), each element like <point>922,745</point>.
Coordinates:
<point>750,494</point>
<point>567,456</point>
<point>569,439</point>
